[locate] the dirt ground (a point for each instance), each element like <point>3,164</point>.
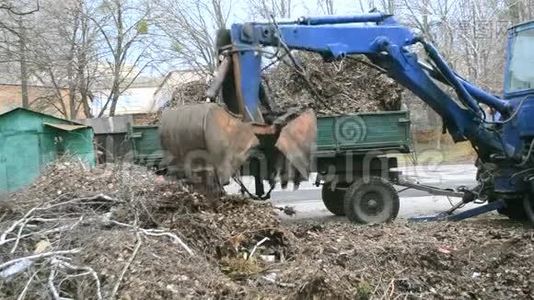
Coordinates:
<point>121,232</point>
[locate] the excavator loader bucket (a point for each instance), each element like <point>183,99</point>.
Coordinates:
<point>205,138</point>
<point>209,137</point>
<point>297,141</point>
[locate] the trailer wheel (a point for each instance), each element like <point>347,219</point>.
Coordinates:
<point>333,199</point>
<point>528,206</point>
<point>371,201</point>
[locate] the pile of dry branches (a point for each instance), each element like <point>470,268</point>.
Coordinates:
<point>188,93</point>
<point>121,232</point>
<point>118,231</point>
<point>341,87</point>
<point>347,86</point>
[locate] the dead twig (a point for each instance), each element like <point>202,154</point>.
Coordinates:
<point>55,230</point>
<point>19,234</point>
<point>41,233</point>
<point>22,294</point>
<point>15,224</point>
<point>51,286</point>
<point>282,284</point>
<point>158,232</point>
<point>257,245</point>
<point>38,256</point>
<point>125,269</point>
<point>175,239</point>
<point>27,217</point>
<point>87,270</point>
<point>100,197</point>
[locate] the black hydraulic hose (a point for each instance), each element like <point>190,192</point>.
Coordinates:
<point>526,159</point>
<point>513,115</point>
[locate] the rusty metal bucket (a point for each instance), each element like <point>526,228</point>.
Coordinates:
<point>202,140</point>
<point>297,142</point>
<point>205,138</point>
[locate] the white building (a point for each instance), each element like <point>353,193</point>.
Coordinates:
<point>146,94</point>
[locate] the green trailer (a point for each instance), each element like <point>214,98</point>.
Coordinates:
<point>354,159</point>
<point>145,145</point>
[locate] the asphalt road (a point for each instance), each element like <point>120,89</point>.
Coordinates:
<point>308,204</point>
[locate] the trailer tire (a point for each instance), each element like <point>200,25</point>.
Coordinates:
<point>372,200</point>
<point>333,200</point>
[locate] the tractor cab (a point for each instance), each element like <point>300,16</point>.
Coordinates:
<point>519,74</point>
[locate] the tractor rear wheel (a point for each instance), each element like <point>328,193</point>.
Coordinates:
<point>372,200</point>
<point>528,206</point>
<point>515,210</point>
<point>333,199</point>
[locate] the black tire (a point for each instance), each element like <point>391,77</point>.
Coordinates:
<point>333,199</point>
<point>515,210</point>
<point>528,208</point>
<point>371,201</point>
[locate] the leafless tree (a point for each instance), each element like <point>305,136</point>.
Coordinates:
<point>13,7</point>
<point>188,31</point>
<point>264,9</point>
<point>13,23</point>
<point>68,69</point>
<point>326,6</point>
<point>123,27</point>
<point>471,34</point>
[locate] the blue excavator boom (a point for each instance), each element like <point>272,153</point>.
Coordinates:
<point>504,146</point>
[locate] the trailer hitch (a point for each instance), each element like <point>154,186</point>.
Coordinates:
<point>467,195</point>
<point>446,216</point>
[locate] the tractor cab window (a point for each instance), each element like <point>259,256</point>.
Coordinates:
<point>521,68</point>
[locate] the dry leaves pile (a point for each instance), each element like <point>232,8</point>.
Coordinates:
<point>121,232</point>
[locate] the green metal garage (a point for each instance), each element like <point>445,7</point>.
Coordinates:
<point>31,140</point>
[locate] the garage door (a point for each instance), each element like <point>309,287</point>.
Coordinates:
<point>3,173</point>
<point>22,160</point>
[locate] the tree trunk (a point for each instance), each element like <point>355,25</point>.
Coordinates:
<point>114,101</point>
<point>86,98</point>
<point>23,66</point>
<point>72,88</point>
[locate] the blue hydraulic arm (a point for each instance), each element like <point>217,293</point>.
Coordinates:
<point>386,43</point>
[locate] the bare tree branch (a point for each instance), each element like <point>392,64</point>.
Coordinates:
<point>11,9</point>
